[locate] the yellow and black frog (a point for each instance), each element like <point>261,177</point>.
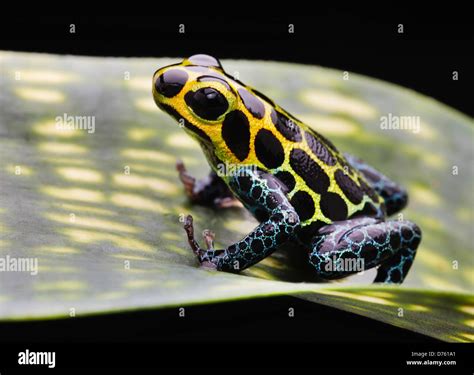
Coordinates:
<point>294,181</point>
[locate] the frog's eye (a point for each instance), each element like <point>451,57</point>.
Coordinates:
<point>207,103</point>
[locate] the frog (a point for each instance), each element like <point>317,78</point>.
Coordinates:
<point>301,189</point>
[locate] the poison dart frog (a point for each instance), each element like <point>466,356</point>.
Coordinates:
<point>293,180</point>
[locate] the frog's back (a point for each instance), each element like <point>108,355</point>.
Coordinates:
<point>321,185</point>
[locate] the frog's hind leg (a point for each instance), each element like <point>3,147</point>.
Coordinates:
<point>347,247</point>
<point>211,191</point>
<point>395,196</point>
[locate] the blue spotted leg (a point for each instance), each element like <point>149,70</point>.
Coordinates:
<point>395,196</point>
<point>350,246</point>
<point>263,194</point>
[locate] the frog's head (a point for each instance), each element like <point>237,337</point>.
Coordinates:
<point>213,107</point>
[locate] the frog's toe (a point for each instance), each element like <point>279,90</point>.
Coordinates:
<point>187,180</point>
<point>206,257</point>
<point>227,202</point>
<point>189,228</point>
<point>208,236</point>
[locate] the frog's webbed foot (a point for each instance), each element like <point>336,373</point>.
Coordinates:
<point>210,191</point>
<point>205,257</point>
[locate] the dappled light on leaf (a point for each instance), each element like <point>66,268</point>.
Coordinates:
<point>40,95</point>
<point>333,102</point>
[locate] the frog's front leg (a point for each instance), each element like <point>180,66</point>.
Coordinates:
<point>344,247</point>
<point>211,191</point>
<point>260,191</point>
<point>394,195</point>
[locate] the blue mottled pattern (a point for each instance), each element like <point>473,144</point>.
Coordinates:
<point>262,193</point>
<point>366,241</point>
<point>392,245</point>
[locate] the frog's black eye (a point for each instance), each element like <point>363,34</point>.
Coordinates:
<point>205,60</point>
<point>207,103</point>
<point>171,82</point>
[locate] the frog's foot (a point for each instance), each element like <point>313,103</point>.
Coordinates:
<point>210,191</point>
<point>351,246</point>
<point>206,257</point>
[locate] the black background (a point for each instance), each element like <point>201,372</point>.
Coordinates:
<point>423,58</point>
<point>252,320</point>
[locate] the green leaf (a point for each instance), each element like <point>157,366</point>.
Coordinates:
<point>109,240</point>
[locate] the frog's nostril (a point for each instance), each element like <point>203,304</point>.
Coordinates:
<point>171,82</point>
